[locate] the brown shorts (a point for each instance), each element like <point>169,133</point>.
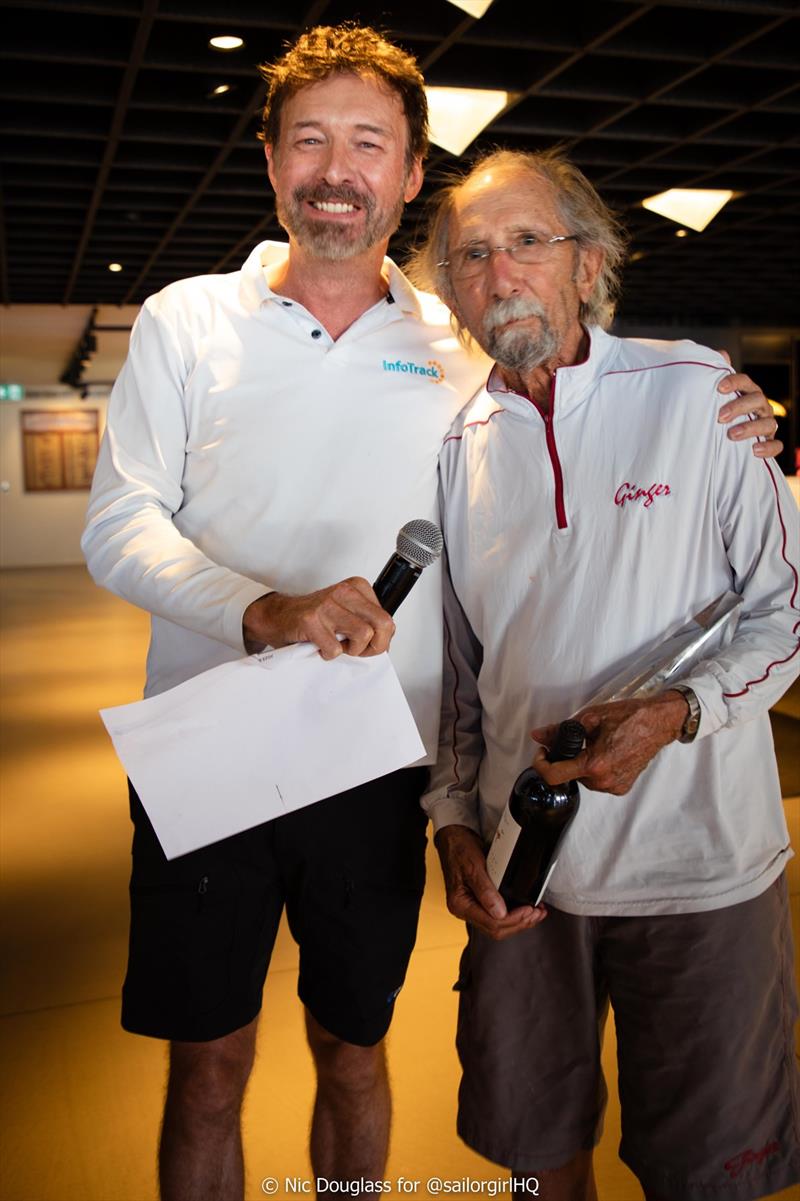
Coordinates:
<point>704,1005</point>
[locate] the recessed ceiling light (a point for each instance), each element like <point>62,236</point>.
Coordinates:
<point>475,8</point>
<point>115,267</point>
<point>637,256</point>
<point>226,42</point>
<point>695,207</point>
<point>220,89</point>
<point>681,233</point>
<point>457,115</point>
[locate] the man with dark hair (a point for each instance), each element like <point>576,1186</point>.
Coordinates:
<point>591,505</point>
<point>259,446</point>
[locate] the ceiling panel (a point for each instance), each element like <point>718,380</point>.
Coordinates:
<point>115,148</point>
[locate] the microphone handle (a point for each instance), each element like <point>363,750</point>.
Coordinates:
<point>395,582</point>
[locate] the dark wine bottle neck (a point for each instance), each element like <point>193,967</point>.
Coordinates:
<point>568,741</point>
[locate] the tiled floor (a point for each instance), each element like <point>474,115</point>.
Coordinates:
<point>81,1098</point>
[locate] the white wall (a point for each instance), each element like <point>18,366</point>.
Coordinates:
<point>38,529</point>
<point>43,529</point>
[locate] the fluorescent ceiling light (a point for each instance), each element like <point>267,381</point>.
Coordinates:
<point>226,43</point>
<point>457,115</point>
<point>694,207</point>
<point>475,8</point>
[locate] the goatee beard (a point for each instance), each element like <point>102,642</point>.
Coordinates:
<point>331,241</point>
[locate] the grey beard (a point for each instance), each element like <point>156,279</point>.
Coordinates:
<point>518,350</point>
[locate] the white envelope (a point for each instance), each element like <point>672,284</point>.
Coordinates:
<point>260,737</point>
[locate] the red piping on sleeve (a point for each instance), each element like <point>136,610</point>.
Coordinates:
<point>458,437</point>
<point>674,363</point>
<point>456,772</point>
<point>793,569</point>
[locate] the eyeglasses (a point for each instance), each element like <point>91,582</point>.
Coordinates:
<point>473,259</point>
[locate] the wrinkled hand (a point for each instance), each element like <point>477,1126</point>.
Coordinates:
<point>349,608</point>
<point>621,739</point>
<point>471,894</point>
<point>752,400</point>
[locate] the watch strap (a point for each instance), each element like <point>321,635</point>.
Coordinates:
<point>691,723</point>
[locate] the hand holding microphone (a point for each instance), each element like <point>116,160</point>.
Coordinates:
<point>351,609</point>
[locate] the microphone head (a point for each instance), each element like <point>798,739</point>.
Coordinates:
<point>420,542</point>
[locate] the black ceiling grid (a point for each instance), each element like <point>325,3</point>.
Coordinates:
<point>116,149</point>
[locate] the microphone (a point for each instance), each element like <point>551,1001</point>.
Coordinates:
<point>419,544</point>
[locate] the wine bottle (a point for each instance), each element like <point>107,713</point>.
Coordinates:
<point>525,846</point>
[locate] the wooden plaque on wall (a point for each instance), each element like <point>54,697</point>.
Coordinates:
<point>59,448</point>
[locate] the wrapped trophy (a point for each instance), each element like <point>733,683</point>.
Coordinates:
<point>657,669</point>
<point>525,847</point>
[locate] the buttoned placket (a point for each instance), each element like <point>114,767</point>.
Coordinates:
<point>383,312</point>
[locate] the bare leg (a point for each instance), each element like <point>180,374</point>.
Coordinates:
<point>352,1110</point>
<point>573,1181</point>
<point>200,1157</point>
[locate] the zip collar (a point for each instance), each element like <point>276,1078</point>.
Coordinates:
<point>574,383</point>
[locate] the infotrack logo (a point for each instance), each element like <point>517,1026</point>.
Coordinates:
<point>432,369</point>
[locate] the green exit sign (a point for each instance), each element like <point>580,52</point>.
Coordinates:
<point>12,391</point>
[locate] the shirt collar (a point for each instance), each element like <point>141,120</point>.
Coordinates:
<point>576,378</point>
<point>254,289</point>
<point>403,292</point>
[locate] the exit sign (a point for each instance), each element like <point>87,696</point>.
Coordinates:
<point>12,391</point>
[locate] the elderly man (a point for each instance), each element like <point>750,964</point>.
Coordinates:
<point>592,503</point>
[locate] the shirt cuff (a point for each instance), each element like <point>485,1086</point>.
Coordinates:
<point>713,710</point>
<point>233,634</point>
<point>451,811</point>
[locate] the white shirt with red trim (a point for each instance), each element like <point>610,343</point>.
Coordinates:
<point>246,450</point>
<point>578,539</point>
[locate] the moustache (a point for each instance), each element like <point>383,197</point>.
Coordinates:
<point>515,308</point>
<point>329,194</point>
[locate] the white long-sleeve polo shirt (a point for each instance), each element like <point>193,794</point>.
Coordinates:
<point>578,539</point>
<point>246,450</point>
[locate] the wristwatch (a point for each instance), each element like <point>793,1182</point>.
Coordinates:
<point>691,722</point>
